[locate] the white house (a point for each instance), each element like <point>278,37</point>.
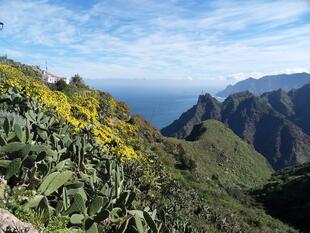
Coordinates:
<point>51,78</point>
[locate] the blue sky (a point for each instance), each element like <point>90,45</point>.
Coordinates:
<point>219,41</point>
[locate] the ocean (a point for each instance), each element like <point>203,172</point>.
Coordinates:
<point>159,102</point>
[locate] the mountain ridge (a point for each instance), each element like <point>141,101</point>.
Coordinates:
<point>267,83</point>
<point>267,122</point>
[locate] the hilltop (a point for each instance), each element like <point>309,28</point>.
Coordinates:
<point>217,151</point>
<point>267,83</point>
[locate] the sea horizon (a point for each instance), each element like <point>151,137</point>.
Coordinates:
<point>159,103</point>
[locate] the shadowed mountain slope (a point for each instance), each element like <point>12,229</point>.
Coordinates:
<point>301,100</point>
<point>286,196</point>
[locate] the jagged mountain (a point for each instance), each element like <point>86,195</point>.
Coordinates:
<point>280,101</point>
<point>295,105</point>
<point>206,108</point>
<point>267,83</point>
<point>271,123</point>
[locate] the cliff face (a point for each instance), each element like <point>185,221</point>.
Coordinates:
<point>276,123</point>
<point>301,101</point>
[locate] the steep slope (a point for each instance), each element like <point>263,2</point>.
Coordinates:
<point>280,101</point>
<point>294,105</point>
<point>286,196</point>
<point>267,83</point>
<point>279,140</point>
<point>301,101</point>
<point>218,151</point>
<point>257,121</point>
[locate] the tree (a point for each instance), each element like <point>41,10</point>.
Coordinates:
<point>77,80</point>
<point>60,85</point>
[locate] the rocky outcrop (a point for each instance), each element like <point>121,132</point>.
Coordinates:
<point>10,224</point>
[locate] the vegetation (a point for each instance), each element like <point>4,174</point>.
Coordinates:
<point>77,81</point>
<point>76,160</point>
<point>61,173</point>
<point>26,69</point>
<point>61,85</point>
<point>286,197</point>
<point>227,168</point>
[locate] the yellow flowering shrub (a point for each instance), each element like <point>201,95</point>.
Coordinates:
<point>80,110</point>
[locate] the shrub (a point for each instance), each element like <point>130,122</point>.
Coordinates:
<point>187,163</point>
<point>77,80</point>
<point>61,85</point>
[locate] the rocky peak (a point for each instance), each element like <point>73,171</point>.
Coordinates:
<point>204,98</point>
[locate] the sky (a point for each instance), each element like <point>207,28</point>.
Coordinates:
<point>218,41</point>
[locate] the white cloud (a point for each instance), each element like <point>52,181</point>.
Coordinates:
<point>161,39</point>
<point>241,76</point>
<point>233,78</point>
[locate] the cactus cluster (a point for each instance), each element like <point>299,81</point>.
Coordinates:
<point>67,171</point>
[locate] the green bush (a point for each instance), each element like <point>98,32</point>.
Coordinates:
<point>61,85</point>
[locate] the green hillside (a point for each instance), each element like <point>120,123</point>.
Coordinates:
<point>73,159</point>
<point>220,154</point>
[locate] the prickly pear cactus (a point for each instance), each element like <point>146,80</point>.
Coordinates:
<point>67,170</point>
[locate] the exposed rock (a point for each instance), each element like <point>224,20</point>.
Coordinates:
<point>3,184</point>
<point>10,224</point>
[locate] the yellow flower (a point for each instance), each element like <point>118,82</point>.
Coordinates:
<point>81,110</point>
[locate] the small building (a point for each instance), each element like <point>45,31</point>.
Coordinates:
<point>51,78</point>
